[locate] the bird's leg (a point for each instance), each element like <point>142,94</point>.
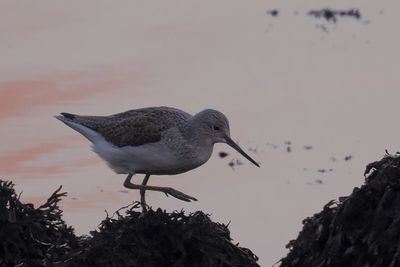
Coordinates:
<point>143,192</point>
<point>166,190</point>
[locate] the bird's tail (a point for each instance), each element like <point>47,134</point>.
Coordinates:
<point>69,116</point>
<point>70,120</point>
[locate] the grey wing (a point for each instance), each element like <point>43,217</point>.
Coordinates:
<point>134,127</point>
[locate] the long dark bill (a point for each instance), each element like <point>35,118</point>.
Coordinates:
<point>231,143</point>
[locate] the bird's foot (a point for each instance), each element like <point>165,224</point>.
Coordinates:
<point>177,194</point>
<point>144,207</point>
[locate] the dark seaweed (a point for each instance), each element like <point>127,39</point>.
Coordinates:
<point>362,229</point>
<point>39,237</point>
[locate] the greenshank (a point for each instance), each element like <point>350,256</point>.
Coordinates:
<point>154,141</point>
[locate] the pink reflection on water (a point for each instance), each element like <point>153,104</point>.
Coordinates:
<point>20,97</point>
<point>93,199</point>
<point>13,163</point>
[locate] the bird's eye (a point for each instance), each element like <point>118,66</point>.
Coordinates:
<point>216,128</point>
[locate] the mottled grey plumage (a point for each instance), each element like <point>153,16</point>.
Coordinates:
<point>157,140</point>
<point>134,127</point>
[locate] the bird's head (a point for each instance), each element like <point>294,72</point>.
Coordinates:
<point>214,126</point>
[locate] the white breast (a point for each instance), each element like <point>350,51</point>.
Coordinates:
<point>153,158</point>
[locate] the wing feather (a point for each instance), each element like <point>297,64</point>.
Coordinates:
<point>134,127</point>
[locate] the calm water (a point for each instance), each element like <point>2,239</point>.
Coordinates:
<point>277,79</point>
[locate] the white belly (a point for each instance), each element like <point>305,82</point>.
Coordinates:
<point>153,158</point>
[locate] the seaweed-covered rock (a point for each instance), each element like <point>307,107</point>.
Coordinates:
<point>158,238</point>
<point>362,229</point>
<point>39,237</point>
<point>29,236</point>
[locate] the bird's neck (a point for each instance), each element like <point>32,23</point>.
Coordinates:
<point>202,145</point>
<point>190,130</point>
<point>194,134</point>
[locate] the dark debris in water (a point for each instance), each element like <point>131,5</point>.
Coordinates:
<point>347,158</point>
<point>253,149</point>
<point>222,154</point>
<point>360,230</point>
<point>326,15</point>
<point>123,191</point>
<point>288,146</point>
<point>322,27</point>
<point>235,162</point>
<point>332,15</point>
<point>325,170</point>
<point>271,145</point>
<point>39,237</point>
<point>273,12</point>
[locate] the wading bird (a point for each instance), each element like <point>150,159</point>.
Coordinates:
<point>154,141</point>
